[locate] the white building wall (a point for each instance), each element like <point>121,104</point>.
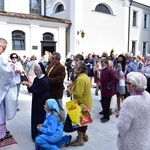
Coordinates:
<point>19,6</point>
<point>103,32</point>
<point>138,33</point>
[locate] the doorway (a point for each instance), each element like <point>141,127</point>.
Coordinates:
<point>49,46</point>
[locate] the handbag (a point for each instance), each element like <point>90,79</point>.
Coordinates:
<point>68,125</point>
<point>79,113</point>
<point>23,77</point>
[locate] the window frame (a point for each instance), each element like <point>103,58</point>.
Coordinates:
<point>46,35</point>
<point>57,9</point>
<point>135,18</point>
<point>35,9</point>
<point>105,7</point>
<point>18,43</point>
<point>144,47</point>
<point>134,47</point>
<point>146,21</point>
<point>2,5</point>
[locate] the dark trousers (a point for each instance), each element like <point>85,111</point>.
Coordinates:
<point>106,106</point>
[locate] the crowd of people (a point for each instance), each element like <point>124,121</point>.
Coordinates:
<point>123,75</point>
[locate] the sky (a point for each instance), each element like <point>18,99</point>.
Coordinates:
<point>146,2</point>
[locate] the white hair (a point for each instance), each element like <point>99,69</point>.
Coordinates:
<point>137,79</point>
<point>37,66</point>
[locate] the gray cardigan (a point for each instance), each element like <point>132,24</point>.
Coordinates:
<point>134,123</point>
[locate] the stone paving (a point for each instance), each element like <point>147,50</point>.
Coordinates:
<point>102,136</point>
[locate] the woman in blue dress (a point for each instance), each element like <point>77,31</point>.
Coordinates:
<point>51,131</point>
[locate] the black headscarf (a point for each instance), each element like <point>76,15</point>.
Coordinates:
<point>42,68</point>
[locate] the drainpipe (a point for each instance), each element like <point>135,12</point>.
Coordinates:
<point>44,7</point>
<point>67,29</point>
<point>130,3</point>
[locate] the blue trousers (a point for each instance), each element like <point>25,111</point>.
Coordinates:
<point>40,142</point>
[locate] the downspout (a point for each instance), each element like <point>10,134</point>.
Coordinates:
<point>44,7</point>
<point>129,23</point>
<point>67,37</point>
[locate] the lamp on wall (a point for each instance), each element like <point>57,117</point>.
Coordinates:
<point>82,33</point>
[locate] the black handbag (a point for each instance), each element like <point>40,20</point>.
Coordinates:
<point>68,125</point>
<point>23,77</point>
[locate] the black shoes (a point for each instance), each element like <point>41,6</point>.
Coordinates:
<point>101,112</point>
<point>103,120</point>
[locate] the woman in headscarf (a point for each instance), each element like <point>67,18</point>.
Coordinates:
<point>40,90</point>
<point>51,131</point>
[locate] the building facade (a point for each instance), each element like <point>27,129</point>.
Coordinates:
<point>29,31</point>
<point>121,25</point>
<point>75,26</point>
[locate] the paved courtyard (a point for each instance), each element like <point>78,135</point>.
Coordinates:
<point>102,136</point>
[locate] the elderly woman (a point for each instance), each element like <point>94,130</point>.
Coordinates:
<point>40,90</point>
<point>134,120</point>
<point>81,90</point>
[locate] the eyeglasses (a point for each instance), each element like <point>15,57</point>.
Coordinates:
<point>3,47</point>
<point>14,57</point>
<point>127,82</point>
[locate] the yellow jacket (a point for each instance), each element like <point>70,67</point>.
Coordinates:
<point>81,89</point>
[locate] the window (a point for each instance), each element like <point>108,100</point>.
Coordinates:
<point>18,40</point>
<point>102,8</point>
<point>134,18</point>
<point>59,8</point>
<point>144,48</point>
<point>133,47</point>
<point>1,5</point>
<point>35,6</point>
<point>146,20</point>
<point>48,37</point>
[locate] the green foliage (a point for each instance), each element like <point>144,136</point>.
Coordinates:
<point>111,52</point>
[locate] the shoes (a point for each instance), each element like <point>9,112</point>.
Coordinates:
<point>1,139</point>
<point>68,143</point>
<point>7,136</point>
<point>101,112</point>
<point>85,138</point>
<point>104,120</point>
<point>18,108</point>
<point>77,143</point>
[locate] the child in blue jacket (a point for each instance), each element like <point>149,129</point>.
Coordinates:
<point>51,131</point>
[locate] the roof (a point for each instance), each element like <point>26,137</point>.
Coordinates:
<point>34,17</point>
<point>144,2</point>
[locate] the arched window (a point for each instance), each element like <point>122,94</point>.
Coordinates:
<point>35,6</point>
<point>48,37</point>
<point>59,8</point>
<point>2,5</point>
<point>18,40</point>
<point>102,8</point>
